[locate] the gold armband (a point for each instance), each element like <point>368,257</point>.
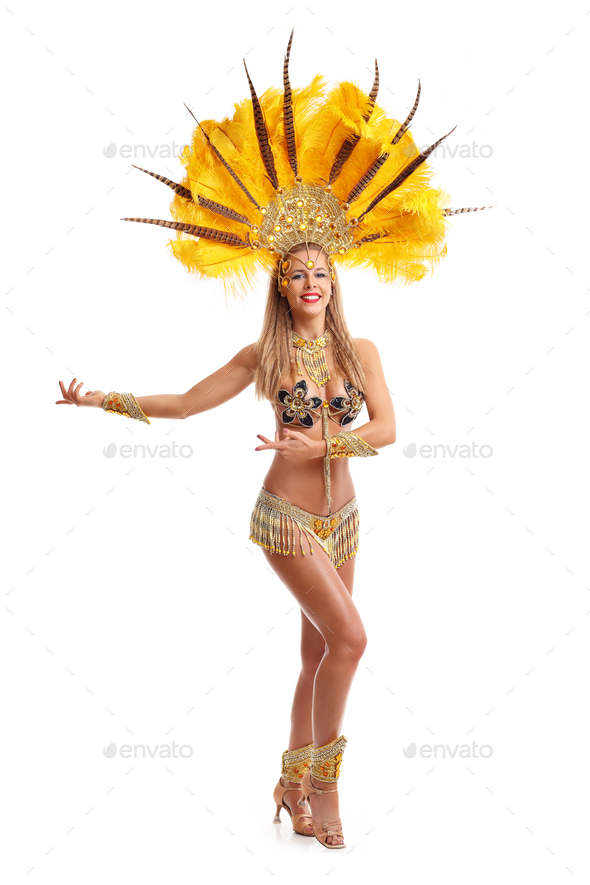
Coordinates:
<point>349,445</point>
<point>124,404</point>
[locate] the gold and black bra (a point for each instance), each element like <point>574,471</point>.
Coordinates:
<point>298,405</point>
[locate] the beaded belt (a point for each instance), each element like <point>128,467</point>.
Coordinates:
<point>337,533</point>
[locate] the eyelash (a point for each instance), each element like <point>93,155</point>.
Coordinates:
<point>300,276</point>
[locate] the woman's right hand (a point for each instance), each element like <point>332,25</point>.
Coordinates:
<point>72,396</point>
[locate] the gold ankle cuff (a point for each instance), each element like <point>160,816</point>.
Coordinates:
<point>295,763</point>
<point>325,761</point>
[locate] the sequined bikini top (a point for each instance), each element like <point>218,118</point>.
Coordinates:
<point>306,409</point>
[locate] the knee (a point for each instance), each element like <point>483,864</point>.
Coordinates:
<point>351,644</point>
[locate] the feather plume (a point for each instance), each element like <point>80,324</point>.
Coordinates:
<point>375,89</point>
<point>410,116</point>
<point>262,133</point>
<point>417,161</point>
<point>378,163</point>
<point>310,129</point>
<point>195,230</point>
<point>368,239</point>
<point>239,270</point>
<point>367,177</point>
<point>225,164</point>
<point>288,111</point>
<point>177,188</point>
<point>219,209</point>
<point>352,141</point>
<point>448,212</point>
<point>182,191</point>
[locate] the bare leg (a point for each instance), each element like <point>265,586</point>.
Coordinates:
<point>313,648</point>
<point>326,602</point>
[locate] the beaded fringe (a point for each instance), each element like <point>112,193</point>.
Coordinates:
<point>316,365</point>
<point>275,531</point>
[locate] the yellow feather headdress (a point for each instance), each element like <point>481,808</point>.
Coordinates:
<point>307,166</point>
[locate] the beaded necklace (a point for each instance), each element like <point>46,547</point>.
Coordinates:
<point>314,358</point>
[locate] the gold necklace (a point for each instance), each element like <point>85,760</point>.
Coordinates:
<point>314,358</point>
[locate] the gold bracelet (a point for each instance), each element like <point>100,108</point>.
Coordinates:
<point>349,445</point>
<point>124,404</point>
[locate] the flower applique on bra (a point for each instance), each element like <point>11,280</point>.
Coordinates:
<point>349,405</point>
<point>298,405</point>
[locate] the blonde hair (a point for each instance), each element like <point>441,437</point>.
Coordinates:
<point>274,348</point>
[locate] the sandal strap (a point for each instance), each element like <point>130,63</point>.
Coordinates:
<point>335,824</point>
<point>313,789</point>
<point>297,817</point>
<point>286,790</point>
<point>329,828</point>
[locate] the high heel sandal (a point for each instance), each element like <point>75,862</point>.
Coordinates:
<point>294,764</point>
<point>325,767</point>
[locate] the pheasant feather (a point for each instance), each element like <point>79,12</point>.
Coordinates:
<point>352,141</point>
<point>262,134</point>
<point>288,111</point>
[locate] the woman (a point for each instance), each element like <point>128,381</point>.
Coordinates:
<point>295,181</point>
<point>332,633</point>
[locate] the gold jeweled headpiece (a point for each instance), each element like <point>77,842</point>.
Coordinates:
<point>329,151</point>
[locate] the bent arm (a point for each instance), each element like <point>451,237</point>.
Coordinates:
<point>215,389</point>
<point>380,429</point>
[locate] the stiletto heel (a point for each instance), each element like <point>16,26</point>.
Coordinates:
<point>294,764</point>
<point>325,767</point>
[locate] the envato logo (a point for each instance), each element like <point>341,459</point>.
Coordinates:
<point>466,151</point>
<point>464,451</point>
<point>165,451</point>
<point>142,751</point>
<point>143,151</point>
<point>465,751</point>
<point>410,150</point>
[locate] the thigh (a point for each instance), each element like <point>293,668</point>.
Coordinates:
<point>312,641</point>
<point>322,594</point>
<point>346,572</point>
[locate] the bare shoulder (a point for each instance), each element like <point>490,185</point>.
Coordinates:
<point>366,348</point>
<point>246,357</point>
<point>371,361</point>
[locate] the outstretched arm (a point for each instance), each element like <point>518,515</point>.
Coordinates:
<point>215,389</point>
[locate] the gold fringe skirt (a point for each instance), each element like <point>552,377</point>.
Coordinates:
<point>273,521</point>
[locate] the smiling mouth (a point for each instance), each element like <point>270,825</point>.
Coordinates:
<point>312,297</point>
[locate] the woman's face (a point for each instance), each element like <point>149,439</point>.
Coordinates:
<point>309,291</point>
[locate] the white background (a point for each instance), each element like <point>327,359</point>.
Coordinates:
<point>136,609</point>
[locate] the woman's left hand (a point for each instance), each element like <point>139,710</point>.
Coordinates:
<point>295,445</point>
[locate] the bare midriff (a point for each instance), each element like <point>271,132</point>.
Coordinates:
<point>301,482</point>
